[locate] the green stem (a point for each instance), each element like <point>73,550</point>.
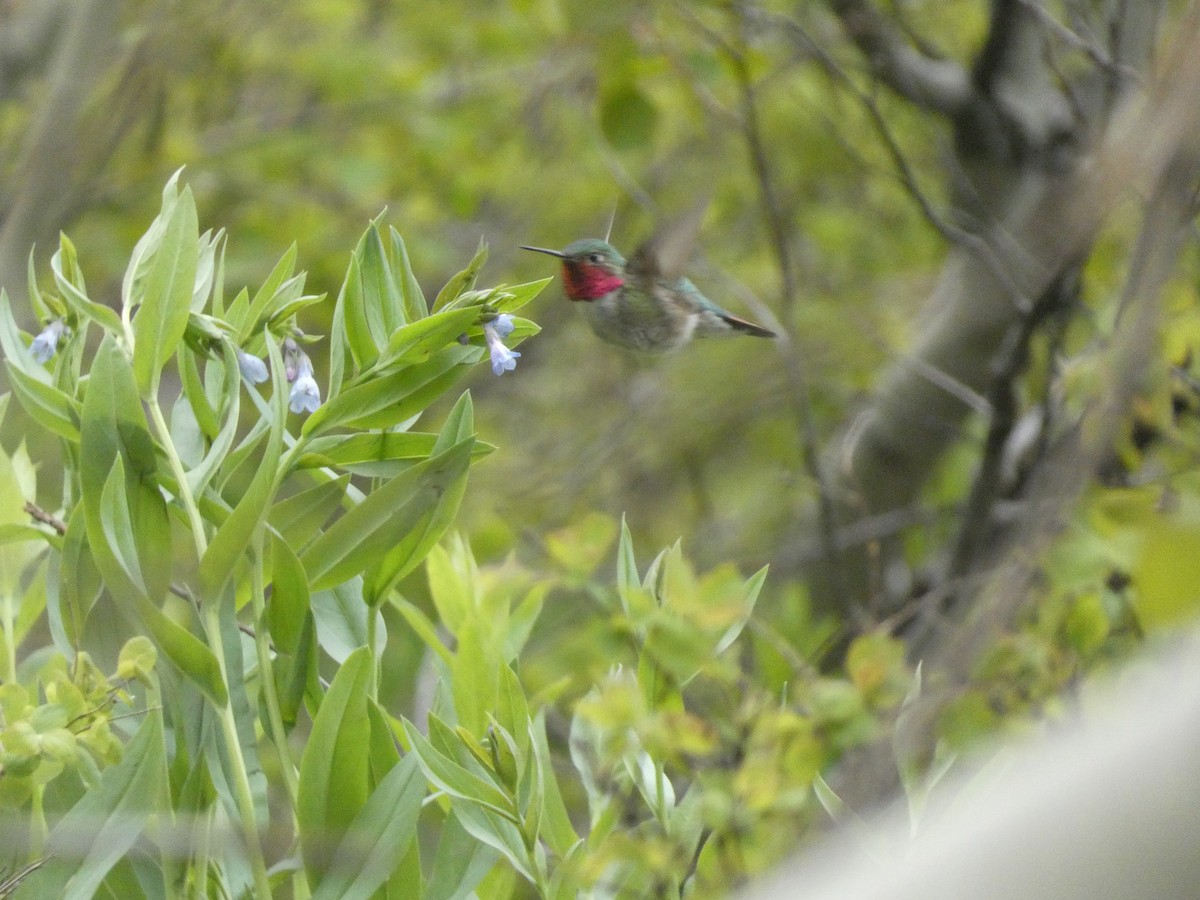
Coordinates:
<point>38,830</point>
<point>8,612</point>
<point>185,497</point>
<point>237,761</point>
<point>241,779</point>
<point>266,671</point>
<point>372,627</point>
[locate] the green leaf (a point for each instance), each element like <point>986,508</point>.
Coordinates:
<point>16,351</point>
<point>113,429</point>
<point>498,832</point>
<point>447,775</point>
<point>388,400</point>
<point>290,622</point>
<point>166,297</point>
<point>376,841</point>
<point>353,316</point>
<point>116,526</point>
<point>417,341</point>
<point>557,829</point>
<point>462,281</point>
<point>452,587</point>
<point>476,668</point>
<point>380,290</point>
<point>65,266</point>
<point>46,404</point>
<point>411,297</point>
<point>249,321</point>
<point>627,573</point>
<point>193,390</point>
<point>333,770</point>
<point>298,517</point>
<point>107,821</point>
<point>753,587</point>
<point>384,519</point>
<point>380,454</point>
<point>459,425</point>
<point>78,585</point>
<point>229,543</point>
<point>341,618</point>
<point>512,710</point>
<point>460,863</point>
<point>408,553</point>
<point>201,474</point>
<point>289,600</point>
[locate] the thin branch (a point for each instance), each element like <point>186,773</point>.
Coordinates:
<point>38,514</point>
<point>977,517</point>
<point>993,257</point>
<point>935,84</point>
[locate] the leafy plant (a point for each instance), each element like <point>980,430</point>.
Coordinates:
<point>225,551</point>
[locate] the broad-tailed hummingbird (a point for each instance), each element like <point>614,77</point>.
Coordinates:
<point>643,303</point>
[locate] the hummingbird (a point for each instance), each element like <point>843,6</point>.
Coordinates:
<point>643,303</point>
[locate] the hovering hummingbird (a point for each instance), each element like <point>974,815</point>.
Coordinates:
<point>643,303</point>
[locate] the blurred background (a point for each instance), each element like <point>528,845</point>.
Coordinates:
<point>520,122</point>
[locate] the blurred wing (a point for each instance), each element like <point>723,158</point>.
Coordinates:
<point>666,253</point>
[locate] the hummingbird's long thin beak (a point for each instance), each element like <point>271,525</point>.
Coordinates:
<point>557,253</point>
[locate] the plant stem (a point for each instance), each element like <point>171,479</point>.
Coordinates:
<point>185,498</point>
<point>241,779</point>
<point>212,625</point>
<point>266,672</point>
<point>8,626</point>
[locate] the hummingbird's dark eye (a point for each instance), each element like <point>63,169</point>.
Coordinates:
<point>596,258</point>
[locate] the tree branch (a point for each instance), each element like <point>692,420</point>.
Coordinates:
<point>936,84</point>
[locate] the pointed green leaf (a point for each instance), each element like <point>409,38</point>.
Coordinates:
<point>390,399</point>
<point>46,405</point>
<point>65,267</point>
<point>411,296</point>
<point>298,517</point>
<point>380,290</point>
<point>166,299</point>
<point>462,281</point>
<point>447,775</point>
<point>231,539</point>
<point>753,587</point>
<point>352,315</point>
<point>380,454</point>
<point>417,341</point>
<point>460,863</point>
<point>78,585</point>
<point>333,770</point>
<point>556,829</point>
<point>107,821</point>
<point>193,390</point>
<point>384,519</point>
<point>201,474</point>
<point>376,841</point>
<point>280,285</point>
<point>341,619</point>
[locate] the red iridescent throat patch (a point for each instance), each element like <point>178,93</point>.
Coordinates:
<point>583,282</point>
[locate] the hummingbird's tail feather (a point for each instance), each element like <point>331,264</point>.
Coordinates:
<point>745,326</point>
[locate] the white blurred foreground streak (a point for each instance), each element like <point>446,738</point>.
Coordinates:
<point>1107,808</point>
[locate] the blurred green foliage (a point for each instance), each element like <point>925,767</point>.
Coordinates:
<point>522,708</point>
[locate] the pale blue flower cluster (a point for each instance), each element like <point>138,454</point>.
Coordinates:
<point>305,395</point>
<point>254,370</point>
<point>494,332</point>
<point>45,345</point>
